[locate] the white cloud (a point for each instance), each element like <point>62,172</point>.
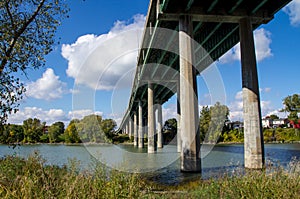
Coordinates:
<point>79,114</point>
<point>278,113</point>
<point>49,116</point>
<point>265,90</point>
<point>48,87</point>
<point>236,107</point>
<point>169,112</point>
<point>293,10</point>
<point>262,40</point>
<point>100,61</point>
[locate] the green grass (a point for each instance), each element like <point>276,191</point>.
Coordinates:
<point>31,178</point>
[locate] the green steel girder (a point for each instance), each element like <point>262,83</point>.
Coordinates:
<point>189,5</point>
<point>211,7</point>
<point>164,5</point>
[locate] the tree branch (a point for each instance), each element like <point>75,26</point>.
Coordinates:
<point>18,34</point>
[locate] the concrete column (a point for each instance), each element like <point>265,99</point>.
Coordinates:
<point>127,127</point>
<point>253,137</point>
<point>151,120</point>
<point>159,127</point>
<point>190,134</point>
<point>179,145</point>
<point>141,133</point>
<point>135,132</point>
<point>130,128</point>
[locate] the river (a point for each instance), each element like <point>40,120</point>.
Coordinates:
<point>163,167</point>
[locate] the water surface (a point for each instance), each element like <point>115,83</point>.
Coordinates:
<point>163,167</point>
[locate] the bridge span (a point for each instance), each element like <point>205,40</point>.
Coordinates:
<point>181,39</point>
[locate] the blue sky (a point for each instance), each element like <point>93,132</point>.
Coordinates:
<point>72,85</point>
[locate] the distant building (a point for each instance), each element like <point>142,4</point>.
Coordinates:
<point>295,125</point>
<point>234,125</point>
<point>267,122</point>
<point>270,123</point>
<point>280,122</point>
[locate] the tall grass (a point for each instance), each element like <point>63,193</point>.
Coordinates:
<point>31,178</point>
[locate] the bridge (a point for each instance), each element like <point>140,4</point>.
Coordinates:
<point>180,40</point>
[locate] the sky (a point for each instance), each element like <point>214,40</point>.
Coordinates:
<point>91,69</point>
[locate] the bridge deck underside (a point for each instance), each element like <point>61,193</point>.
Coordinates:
<point>216,38</point>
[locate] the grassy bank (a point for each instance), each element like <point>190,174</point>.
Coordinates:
<point>31,178</point>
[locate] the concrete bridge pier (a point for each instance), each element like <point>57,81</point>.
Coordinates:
<point>135,130</point>
<point>151,120</point>
<point>130,128</point>
<point>253,137</point>
<point>140,130</point>
<point>179,144</point>
<point>127,131</point>
<point>190,154</point>
<point>159,126</point>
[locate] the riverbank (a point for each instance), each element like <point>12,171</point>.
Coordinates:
<point>30,178</point>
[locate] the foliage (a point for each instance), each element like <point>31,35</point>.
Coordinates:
<point>169,130</point>
<point>171,124</point>
<point>292,105</point>
<point>89,128</point>
<point>31,178</point>
<point>108,127</point>
<point>250,184</point>
<point>235,135</point>
<point>33,129</point>
<point>71,134</point>
<point>120,138</point>
<point>27,29</point>
<point>11,133</point>
<point>212,122</point>
<point>205,119</point>
<point>55,130</point>
<point>281,135</point>
<point>274,117</point>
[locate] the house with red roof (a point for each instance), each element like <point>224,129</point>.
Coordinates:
<point>295,124</point>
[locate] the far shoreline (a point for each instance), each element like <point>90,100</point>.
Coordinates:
<point>131,144</point>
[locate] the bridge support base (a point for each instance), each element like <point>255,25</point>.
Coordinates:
<point>190,154</point>
<point>151,120</point>
<point>179,144</point>
<point>141,133</point>
<point>159,127</point>
<point>253,137</point>
<point>135,130</point>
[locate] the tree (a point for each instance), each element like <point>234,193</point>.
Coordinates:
<point>169,130</point>
<point>108,128</point>
<point>274,117</point>
<point>89,128</point>
<point>71,134</point>
<point>219,115</point>
<point>55,130</point>
<point>11,133</point>
<point>292,105</point>
<point>171,125</point>
<point>212,122</point>
<point>33,129</point>
<point>27,30</point>
<point>204,121</point>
